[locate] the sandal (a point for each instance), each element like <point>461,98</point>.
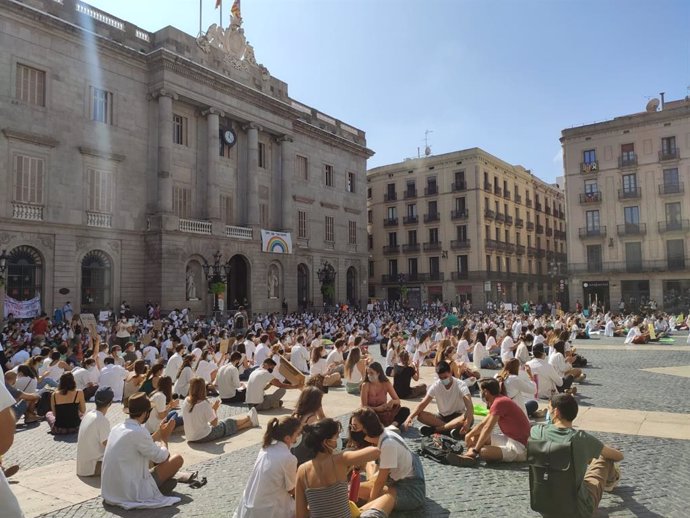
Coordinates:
<point>198,483</point>
<point>187,477</point>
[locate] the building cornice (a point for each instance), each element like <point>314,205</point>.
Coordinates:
<point>327,205</point>
<point>99,153</point>
<point>334,140</point>
<point>303,199</point>
<point>32,138</point>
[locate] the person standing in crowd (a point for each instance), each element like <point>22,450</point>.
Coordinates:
<point>93,435</point>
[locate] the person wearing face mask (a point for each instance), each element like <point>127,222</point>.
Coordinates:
<point>228,384</point>
<point>207,368</point>
<point>322,489</point>
<point>268,493</point>
<point>374,394</point>
<point>319,366</point>
<point>113,376</point>
<point>87,378</point>
<point>455,409</point>
<point>256,386</point>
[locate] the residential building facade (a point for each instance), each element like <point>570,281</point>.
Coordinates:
<point>130,158</point>
<point>464,226</point>
<point>628,209</point>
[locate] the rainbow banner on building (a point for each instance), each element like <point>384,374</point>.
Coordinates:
<point>276,242</point>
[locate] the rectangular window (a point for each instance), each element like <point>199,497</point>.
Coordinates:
<point>594,258</point>
<point>329,234</point>
<point>589,156</point>
<point>179,130</point>
<point>301,167</point>
<point>633,257</point>
<point>100,185</point>
<point>675,254</point>
<point>591,187</point>
<point>671,178</point>
<point>31,85</point>
<point>498,264</point>
<point>488,263</point>
<point>412,267</point>
<point>461,232</point>
<point>631,215</point>
<point>432,207</point>
<point>302,224</point>
<point>370,240</point>
<point>263,215</point>
<point>393,267</point>
<point>629,183</point>
<point>412,210</point>
<point>673,213</point>
<point>370,216</point>
<point>434,265</point>
<point>462,263</point>
<point>433,235</point>
<point>369,193</point>
<point>392,239</point>
<point>101,106</point>
<point>592,218</point>
<point>226,212</point>
<point>507,264</point>
<point>352,232</point>
<point>627,153</point>
<point>371,269</point>
<point>263,164</point>
<point>328,175</point>
<point>29,175</point>
<point>412,237</point>
<point>668,146</point>
<point>460,204</point>
<point>182,202</point>
<point>350,182</point>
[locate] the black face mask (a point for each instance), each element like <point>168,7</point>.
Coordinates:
<point>357,437</point>
<point>270,370</point>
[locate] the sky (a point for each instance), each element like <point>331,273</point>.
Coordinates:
<point>503,75</point>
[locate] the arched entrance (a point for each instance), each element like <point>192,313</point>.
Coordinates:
<point>96,282</point>
<point>239,291</point>
<point>352,286</point>
<point>302,286</point>
<point>24,273</point>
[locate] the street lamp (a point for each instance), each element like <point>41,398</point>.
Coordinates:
<point>401,283</point>
<point>3,261</point>
<point>326,275</point>
<point>217,275</point>
<point>555,274</point>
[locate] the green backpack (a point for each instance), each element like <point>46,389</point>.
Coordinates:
<point>552,484</point>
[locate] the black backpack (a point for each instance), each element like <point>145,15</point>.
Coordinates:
<point>43,405</point>
<point>552,484</point>
<point>440,448</point>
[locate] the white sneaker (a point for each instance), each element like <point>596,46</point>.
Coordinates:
<point>254,417</point>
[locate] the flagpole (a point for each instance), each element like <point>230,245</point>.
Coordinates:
<point>199,16</point>
<point>221,14</point>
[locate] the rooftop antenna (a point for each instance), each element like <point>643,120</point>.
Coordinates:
<point>427,148</point>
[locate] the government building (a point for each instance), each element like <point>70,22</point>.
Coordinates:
<point>465,226</point>
<point>129,158</point>
<point>628,210</point>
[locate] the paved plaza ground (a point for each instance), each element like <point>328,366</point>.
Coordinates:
<point>634,399</point>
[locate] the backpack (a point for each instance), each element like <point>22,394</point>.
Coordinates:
<point>239,321</point>
<point>552,483</point>
<point>43,405</point>
<point>440,448</point>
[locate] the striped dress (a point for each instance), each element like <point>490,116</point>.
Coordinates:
<point>329,502</point>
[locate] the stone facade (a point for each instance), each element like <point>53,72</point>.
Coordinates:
<point>120,184</point>
<point>464,226</point>
<point>628,208</point>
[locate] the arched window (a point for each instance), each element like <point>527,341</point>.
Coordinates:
<point>24,273</point>
<point>96,274</point>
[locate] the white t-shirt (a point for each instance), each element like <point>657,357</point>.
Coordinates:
<point>256,384</point>
<point>181,386</point>
<point>547,377</point>
<point>173,366</point>
<point>83,377</point>
<point>395,456</point>
<point>507,348</point>
<point>158,405</point>
<point>204,369</point>
<point>319,367</point>
<point>521,353</point>
<point>449,400</point>
<point>557,360</point>
<point>197,420</point>
<point>10,506</point>
<point>490,343</point>
<point>150,353</point>
<point>634,331</point>
<point>228,381</point>
<point>335,356</point>
<point>249,349</point>
<point>478,354</point>
<point>299,358</point>
<point>262,352</point>
<point>93,432</point>
<point>26,384</point>
<point>113,376</point>
<point>461,354</point>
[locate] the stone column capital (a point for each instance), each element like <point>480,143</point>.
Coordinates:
<point>284,139</point>
<point>252,126</point>
<point>162,92</point>
<point>212,111</point>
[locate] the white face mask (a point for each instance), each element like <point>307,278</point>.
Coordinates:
<point>372,378</point>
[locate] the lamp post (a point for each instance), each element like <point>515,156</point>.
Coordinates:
<point>217,275</point>
<point>3,267</point>
<point>555,274</point>
<point>401,284</point>
<point>326,275</point>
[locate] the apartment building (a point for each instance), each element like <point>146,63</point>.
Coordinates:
<point>628,209</point>
<point>464,226</point>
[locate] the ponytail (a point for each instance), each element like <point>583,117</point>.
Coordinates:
<point>278,429</point>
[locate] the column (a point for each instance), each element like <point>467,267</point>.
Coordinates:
<point>212,197</point>
<point>165,139</point>
<point>253,174</point>
<point>286,181</point>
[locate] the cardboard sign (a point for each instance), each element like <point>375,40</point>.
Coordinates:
<point>88,320</point>
<point>287,370</point>
<point>224,344</point>
<point>104,316</point>
<point>157,325</point>
<point>146,339</point>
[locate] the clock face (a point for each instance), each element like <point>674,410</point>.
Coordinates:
<point>229,137</point>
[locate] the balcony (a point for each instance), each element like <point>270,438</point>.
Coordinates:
<point>538,206</point>
<point>410,220</point>
<point>390,222</point>
<point>540,229</point>
<point>390,196</point>
<point>433,276</point>
<point>506,193</point>
<point>560,214</point>
<point>509,220</point>
<point>245,233</point>
<point>517,198</point>
<point>594,232</point>
<point>391,249</point>
<point>459,214</point>
<point>460,244</point>
<point>528,202</point>
<point>557,234</point>
<point>430,218</point>
<point>628,160</point>
<point>509,248</point>
<point>390,279</point>
<point>589,167</point>
<point>99,219</point>
<point>457,276</point>
<point>667,189</point>
<point>520,249</point>
<point>669,154</point>
<point>630,194</point>
<point>530,226</point>
<point>458,186</point>
<point>638,266</point>
<point>590,197</point>
<point>519,222</point>
<point>632,229</point>
<point>493,244</point>
<point>195,226</point>
<point>410,193</point>
<point>410,247</point>
<point>541,253</point>
<point>549,231</point>
<point>487,186</point>
<point>500,217</point>
<point>27,212</point>
<point>430,190</point>
<point>682,225</point>
<point>489,214</point>
<point>431,246</point>
<point>498,191</point>
<point>531,251</point>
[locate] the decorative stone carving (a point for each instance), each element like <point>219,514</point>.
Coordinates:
<point>82,243</point>
<point>5,238</point>
<point>273,281</point>
<point>192,280</point>
<point>239,54</point>
<point>114,246</point>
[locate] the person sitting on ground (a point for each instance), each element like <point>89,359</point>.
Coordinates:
<point>201,422</point>
<point>206,367</point>
<point>564,366</point>
<point>67,406</point>
<point>25,403</point>
<point>134,380</point>
<point>256,387</point>
<point>55,367</point>
<point>272,480</point>
<point>637,335</point>
<point>183,376</point>
<point>113,376</point>
<point>126,480</point>
<point>151,382</point>
<point>480,354</point>
<point>93,435</point>
<point>510,445</point>
<point>593,461</point>
<point>319,366</point>
<point>86,378</point>
<point>334,360</point>
<point>322,486</point>
<point>299,356</point>
<point>399,482</point>
<point>392,354</point>
<point>375,392</point>
<point>227,382</point>
<point>455,409</point>
<point>163,406</point>
<point>308,410</point>
<point>549,382</point>
<point>355,370</point>
<point>518,385</point>
<point>403,374</point>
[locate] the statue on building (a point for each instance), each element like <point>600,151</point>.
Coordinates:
<point>191,284</point>
<point>273,281</point>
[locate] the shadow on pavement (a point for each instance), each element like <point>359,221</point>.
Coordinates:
<point>627,503</point>
<point>165,512</point>
<point>431,509</point>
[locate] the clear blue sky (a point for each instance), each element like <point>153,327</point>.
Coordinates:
<point>504,75</point>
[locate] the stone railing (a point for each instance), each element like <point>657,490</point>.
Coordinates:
<point>98,219</point>
<point>240,232</point>
<point>28,212</point>
<point>195,226</point>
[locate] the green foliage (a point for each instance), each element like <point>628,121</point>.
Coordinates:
<point>218,288</point>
